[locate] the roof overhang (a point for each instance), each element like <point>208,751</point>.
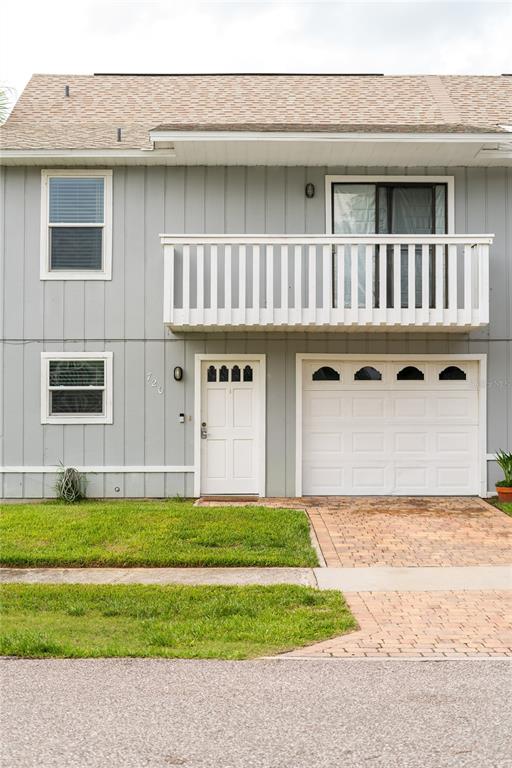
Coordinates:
<point>176,147</point>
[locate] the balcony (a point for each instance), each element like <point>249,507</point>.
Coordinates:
<point>327,282</point>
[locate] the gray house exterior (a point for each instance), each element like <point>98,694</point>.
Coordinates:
<point>280,317</point>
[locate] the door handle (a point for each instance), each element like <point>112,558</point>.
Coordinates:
<point>204,431</point>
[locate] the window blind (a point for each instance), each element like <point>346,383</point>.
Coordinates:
<point>76,221</point>
<point>76,200</point>
<point>76,386</point>
<point>77,373</point>
<point>76,247</point>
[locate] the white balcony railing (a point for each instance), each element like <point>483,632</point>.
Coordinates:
<point>327,281</point>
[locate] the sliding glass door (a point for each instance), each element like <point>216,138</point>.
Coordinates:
<point>394,209</point>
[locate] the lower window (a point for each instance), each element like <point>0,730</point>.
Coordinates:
<point>76,388</point>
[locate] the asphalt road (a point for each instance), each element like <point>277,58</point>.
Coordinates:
<point>260,714</point>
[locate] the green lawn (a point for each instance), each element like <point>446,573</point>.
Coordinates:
<point>507,508</point>
<point>152,533</point>
<point>171,621</point>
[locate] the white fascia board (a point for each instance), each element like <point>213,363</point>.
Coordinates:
<point>324,136</point>
<point>74,152</point>
<point>8,156</point>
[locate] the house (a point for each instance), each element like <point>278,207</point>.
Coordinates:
<point>257,284</point>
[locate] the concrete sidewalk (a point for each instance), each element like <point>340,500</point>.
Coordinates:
<point>190,576</point>
<point>378,579</point>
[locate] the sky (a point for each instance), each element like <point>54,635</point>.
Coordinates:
<point>413,36</point>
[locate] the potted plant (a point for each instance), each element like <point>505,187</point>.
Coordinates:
<point>504,487</point>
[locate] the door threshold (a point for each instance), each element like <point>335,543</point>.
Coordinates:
<point>226,497</point>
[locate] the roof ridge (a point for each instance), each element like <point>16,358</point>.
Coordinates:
<point>448,110</point>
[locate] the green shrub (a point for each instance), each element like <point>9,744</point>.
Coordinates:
<point>504,460</point>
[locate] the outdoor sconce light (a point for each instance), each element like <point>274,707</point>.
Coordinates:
<point>310,190</point>
<point>178,373</point>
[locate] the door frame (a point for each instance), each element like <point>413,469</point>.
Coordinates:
<point>481,359</point>
<point>260,390</point>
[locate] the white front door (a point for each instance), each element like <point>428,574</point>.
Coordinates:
<point>379,427</point>
<point>231,416</point>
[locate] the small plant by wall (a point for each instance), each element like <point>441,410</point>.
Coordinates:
<point>70,485</point>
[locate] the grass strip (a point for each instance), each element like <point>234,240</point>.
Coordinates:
<point>200,622</point>
<point>152,533</point>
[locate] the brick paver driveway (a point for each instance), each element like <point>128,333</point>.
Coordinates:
<point>413,532</point>
<point>361,531</point>
<point>424,624</point>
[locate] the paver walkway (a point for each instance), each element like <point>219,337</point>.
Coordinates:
<point>427,624</point>
<point>356,531</point>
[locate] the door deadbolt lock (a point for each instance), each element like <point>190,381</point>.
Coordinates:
<point>204,431</point>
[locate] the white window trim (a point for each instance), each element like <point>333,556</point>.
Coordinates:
<point>78,418</point>
<point>76,274</point>
<point>370,179</point>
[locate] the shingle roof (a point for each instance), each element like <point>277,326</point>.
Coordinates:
<point>44,118</point>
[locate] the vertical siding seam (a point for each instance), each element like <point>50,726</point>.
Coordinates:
<point>185,202</point>
<point>2,314</point>
<point>24,249</point>
<point>144,420</point>
<point>286,182</point>
<point>225,207</point>
<point>145,252</point>
<point>206,172</point>
<point>4,249</point>
<point>244,214</point>
<point>125,184</point>
<point>23,391</point>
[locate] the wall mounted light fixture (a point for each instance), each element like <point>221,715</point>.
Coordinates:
<point>178,373</point>
<point>310,190</point>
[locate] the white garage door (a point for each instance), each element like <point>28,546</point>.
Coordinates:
<point>393,427</point>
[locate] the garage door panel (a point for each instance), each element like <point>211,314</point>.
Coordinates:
<point>459,442</point>
<point>411,477</point>
<point>367,407</point>
<point>368,442</point>
<point>324,480</point>
<point>405,406</point>
<point>325,442</point>
<point>392,438</point>
<point>455,407</point>
<point>323,405</point>
<point>410,442</point>
<point>370,476</point>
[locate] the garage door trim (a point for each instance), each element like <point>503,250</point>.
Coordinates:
<point>301,358</point>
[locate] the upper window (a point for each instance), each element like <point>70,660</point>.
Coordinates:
<point>76,236</point>
<point>76,388</point>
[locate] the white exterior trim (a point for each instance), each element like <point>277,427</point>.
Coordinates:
<point>123,469</point>
<point>83,418</point>
<point>261,391</point>
<point>482,400</point>
<point>106,272</point>
<point>371,179</point>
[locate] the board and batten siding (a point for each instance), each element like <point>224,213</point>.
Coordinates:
<point>124,315</point>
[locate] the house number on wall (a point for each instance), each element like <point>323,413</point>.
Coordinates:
<point>154,382</point>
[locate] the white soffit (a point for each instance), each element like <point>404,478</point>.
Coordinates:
<point>221,148</point>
